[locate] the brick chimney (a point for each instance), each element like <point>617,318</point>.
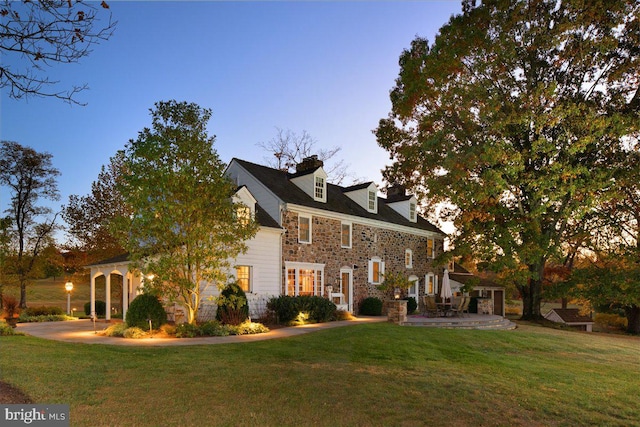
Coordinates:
<point>396,190</point>
<point>309,163</point>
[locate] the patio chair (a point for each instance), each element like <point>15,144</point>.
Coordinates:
<point>465,306</point>
<point>457,308</point>
<point>430,306</point>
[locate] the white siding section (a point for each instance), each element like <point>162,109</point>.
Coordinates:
<point>263,255</point>
<point>403,207</point>
<point>307,183</point>
<point>361,196</point>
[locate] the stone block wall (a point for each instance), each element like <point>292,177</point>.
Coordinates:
<point>367,242</point>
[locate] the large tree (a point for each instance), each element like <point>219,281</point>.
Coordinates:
<point>39,33</point>
<point>88,217</point>
<point>29,176</point>
<point>184,229</point>
<point>511,116</point>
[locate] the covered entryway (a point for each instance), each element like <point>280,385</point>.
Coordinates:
<point>110,268</point>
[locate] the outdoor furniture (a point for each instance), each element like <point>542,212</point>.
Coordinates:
<point>465,306</point>
<point>444,308</point>
<point>457,309</point>
<point>430,306</point>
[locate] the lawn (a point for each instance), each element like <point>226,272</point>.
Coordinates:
<point>363,375</point>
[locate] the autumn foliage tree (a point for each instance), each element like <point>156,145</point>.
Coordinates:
<point>511,116</point>
<point>183,228</point>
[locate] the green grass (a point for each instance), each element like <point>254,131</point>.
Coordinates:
<point>51,292</point>
<point>364,375</point>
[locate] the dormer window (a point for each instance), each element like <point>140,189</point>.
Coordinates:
<point>412,212</point>
<point>243,214</point>
<point>320,189</point>
<point>373,201</point>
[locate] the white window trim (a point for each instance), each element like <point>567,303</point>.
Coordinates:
<point>381,270</point>
<point>310,218</point>
<point>250,290</point>
<point>375,201</point>
<point>350,225</point>
<point>410,263</point>
<point>413,216</point>
<point>435,284</point>
<point>297,266</point>
<point>323,180</point>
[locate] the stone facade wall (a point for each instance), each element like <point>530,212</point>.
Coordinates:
<point>367,242</point>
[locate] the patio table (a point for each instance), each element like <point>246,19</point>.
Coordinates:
<point>444,307</point>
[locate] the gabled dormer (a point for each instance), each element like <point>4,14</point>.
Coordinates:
<point>366,195</point>
<point>246,203</point>
<point>399,201</point>
<point>311,178</point>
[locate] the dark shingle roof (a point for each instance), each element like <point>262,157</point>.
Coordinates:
<point>572,315</point>
<point>113,260</point>
<point>279,183</point>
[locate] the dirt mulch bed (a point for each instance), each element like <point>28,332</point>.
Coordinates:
<point>11,395</point>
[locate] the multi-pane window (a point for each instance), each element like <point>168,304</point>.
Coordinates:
<point>373,200</point>
<point>376,271</point>
<point>243,214</point>
<point>243,277</point>
<point>430,285</point>
<point>412,211</point>
<point>431,250</point>
<point>304,279</point>
<point>319,188</point>
<point>304,229</point>
<point>345,235</point>
<point>408,258</point>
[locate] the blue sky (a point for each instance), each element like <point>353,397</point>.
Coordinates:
<point>325,67</point>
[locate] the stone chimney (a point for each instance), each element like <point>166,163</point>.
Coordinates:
<point>395,191</point>
<point>309,163</point>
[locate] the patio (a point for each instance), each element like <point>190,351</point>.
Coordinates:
<point>469,321</point>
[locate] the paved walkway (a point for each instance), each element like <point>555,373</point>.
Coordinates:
<point>82,331</point>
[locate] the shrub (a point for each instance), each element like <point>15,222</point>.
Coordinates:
<point>187,330</point>
<point>44,318</point>
<point>143,308</point>
<point>43,311</point>
<point>213,328</point>
<point>232,305</point>
<point>7,330</point>
<point>343,315</point>
<point>168,329</point>
<point>412,305</point>
<point>115,330</point>
<point>101,308</point>
<point>611,320</point>
<point>248,328</point>
<point>371,306</point>
<point>134,332</point>
<point>313,308</point>
<point>10,306</point>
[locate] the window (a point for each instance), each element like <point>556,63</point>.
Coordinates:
<point>304,279</point>
<point>345,235</point>
<point>408,258</point>
<point>412,212</point>
<point>376,270</point>
<point>431,250</point>
<point>243,214</point>
<point>319,192</point>
<point>431,284</point>
<point>373,201</point>
<point>243,277</point>
<point>304,229</point>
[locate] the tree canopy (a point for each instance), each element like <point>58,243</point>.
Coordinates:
<point>38,33</point>
<point>512,116</point>
<point>183,227</point>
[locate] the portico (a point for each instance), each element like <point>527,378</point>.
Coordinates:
<point>131,283</point>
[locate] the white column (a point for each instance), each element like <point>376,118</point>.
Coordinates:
<point>93,294</point>
<point>107,314</point>
<point>125,296</point>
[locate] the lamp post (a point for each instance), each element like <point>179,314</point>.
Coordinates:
<point>68,287</point>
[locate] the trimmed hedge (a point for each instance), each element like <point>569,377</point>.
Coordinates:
<point>143,308</point>
<point>315,309</point>
<point>232,305</point>
<point>43,311</point>
<point>371,306</point>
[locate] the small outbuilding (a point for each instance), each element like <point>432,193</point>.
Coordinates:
<point>570,317</point>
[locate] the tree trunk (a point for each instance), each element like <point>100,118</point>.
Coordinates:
<point>633,319</point>
<point>23,295</point>
<point>532,294</point>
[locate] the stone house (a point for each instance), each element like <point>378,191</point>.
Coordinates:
<point>316,238</point>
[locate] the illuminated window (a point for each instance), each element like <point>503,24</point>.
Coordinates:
<point>346,235</point>
<point>431,284</point>
<point>304,279</point>
<point>243,213</point>
<point>431,250</point>
<point>304,229</point>
<point>243,277</point>
<point>408,258</point>
<point>376,270</point>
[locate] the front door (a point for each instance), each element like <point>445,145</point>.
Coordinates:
<point>346,287</point>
